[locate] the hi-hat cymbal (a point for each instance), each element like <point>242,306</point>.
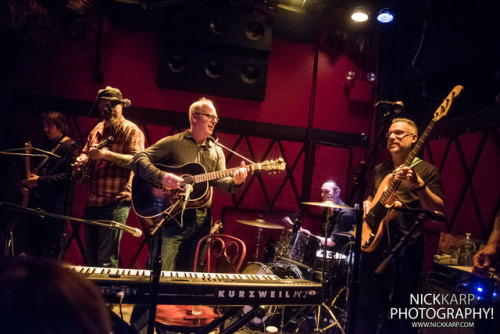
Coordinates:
<point>261,223</point>
<point>328,204</point>
<point>348,234</point>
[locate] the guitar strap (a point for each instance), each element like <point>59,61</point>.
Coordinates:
<point>415,162</point>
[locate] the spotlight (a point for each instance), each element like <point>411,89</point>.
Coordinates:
<point>385,16</point>
<point>359,15</point>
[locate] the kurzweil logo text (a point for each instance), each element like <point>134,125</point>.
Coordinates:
<point>272,294</point>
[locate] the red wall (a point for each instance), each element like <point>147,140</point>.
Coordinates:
<point>301,78</point>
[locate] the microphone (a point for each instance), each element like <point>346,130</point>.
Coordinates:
<point>129,229</point>
<point>397,106</point>
<point>432,215</point>
<point>188,188</point>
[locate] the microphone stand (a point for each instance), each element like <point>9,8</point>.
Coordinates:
<point>394,252</point>
<point>359,183</point>
<point>156,266</point>
<point>324,281</point>
<point>104,223</point>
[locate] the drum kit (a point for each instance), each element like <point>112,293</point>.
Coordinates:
<point>301,255</point>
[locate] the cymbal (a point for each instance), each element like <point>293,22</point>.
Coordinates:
<point>261,223</point>
<point>348,234</point>
<point>328,204</point>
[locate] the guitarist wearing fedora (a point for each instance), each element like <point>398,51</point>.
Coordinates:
<point>419,186</point>
<point>193,145</point>
<point>109,148</point>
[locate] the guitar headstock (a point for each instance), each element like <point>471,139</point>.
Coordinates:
<point>442,110</point>
<point>28,147</point>
<point>277,164</point>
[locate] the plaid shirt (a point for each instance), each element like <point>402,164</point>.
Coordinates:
<point>110,182</point>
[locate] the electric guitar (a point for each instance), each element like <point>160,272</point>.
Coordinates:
<point>90,166</point>
<point>149,201</point>
<point>25,190</point>
<point>377,218</point>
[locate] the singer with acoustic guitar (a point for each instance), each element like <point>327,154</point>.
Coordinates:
<point>180,234</point>
<point>195,145</point>
<point>420,186</point>
<point>109,149</point>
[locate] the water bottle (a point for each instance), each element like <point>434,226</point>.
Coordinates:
<point>467,251</point>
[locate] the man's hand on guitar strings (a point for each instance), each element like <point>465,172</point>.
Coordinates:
<point>80,162</point>
<point>171,181</point>
<point>405,173</point>
<point>32,182</point>
<point>240,174</point>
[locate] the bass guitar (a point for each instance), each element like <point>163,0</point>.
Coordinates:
<point>90,166</point>
<point>149,201</point>
<point>377,218</point>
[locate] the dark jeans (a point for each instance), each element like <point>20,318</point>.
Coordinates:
<point>377,294</point>
<point>179,243</point>
<point>178,251</point>
<point>102,244</point>
<point>46,234</point>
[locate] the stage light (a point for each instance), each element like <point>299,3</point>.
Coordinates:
<point>385,16</point>
<point>359,15</point>
<point>479,289</point>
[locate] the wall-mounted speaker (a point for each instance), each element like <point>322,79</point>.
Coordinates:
<point>222,25</point>
<point>213,69</point>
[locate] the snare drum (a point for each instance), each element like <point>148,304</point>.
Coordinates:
<point>282,269</point>
<point>299,246</point>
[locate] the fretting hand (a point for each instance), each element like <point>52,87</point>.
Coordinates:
<point>240,174</point>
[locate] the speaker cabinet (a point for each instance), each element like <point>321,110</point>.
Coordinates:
<point>213,69</point>
<point>215,49</point>
<point>221,25</point>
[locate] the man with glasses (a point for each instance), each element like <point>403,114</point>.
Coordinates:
<point>179,243</point>
<point>193,145</point>
<point>421,187</point>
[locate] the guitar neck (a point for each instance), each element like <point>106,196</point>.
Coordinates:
<point>224,173</point>
<point>394,185</point>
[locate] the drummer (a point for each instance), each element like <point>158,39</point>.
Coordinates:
<point>336,219</point>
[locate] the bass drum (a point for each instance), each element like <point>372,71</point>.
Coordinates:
<point>282,269</point>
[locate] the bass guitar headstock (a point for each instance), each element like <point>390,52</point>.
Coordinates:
<point>442,110</point>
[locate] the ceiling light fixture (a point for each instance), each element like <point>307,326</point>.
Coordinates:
<point>359,15</point>
<point>385,16</point>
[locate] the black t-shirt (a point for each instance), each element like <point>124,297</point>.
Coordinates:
<point>340,220</point>
<point>407,195</point>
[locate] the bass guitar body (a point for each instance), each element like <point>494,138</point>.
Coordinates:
<point>376,220</point>
<point>150,201</point>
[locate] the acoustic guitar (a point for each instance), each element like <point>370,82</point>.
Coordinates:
<point>377,218</point>
<point>149,201</point>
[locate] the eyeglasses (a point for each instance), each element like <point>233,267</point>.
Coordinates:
<point>399,134</point>
<point>210,117</point>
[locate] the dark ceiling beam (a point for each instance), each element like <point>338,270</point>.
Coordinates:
<point>179,119</point>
